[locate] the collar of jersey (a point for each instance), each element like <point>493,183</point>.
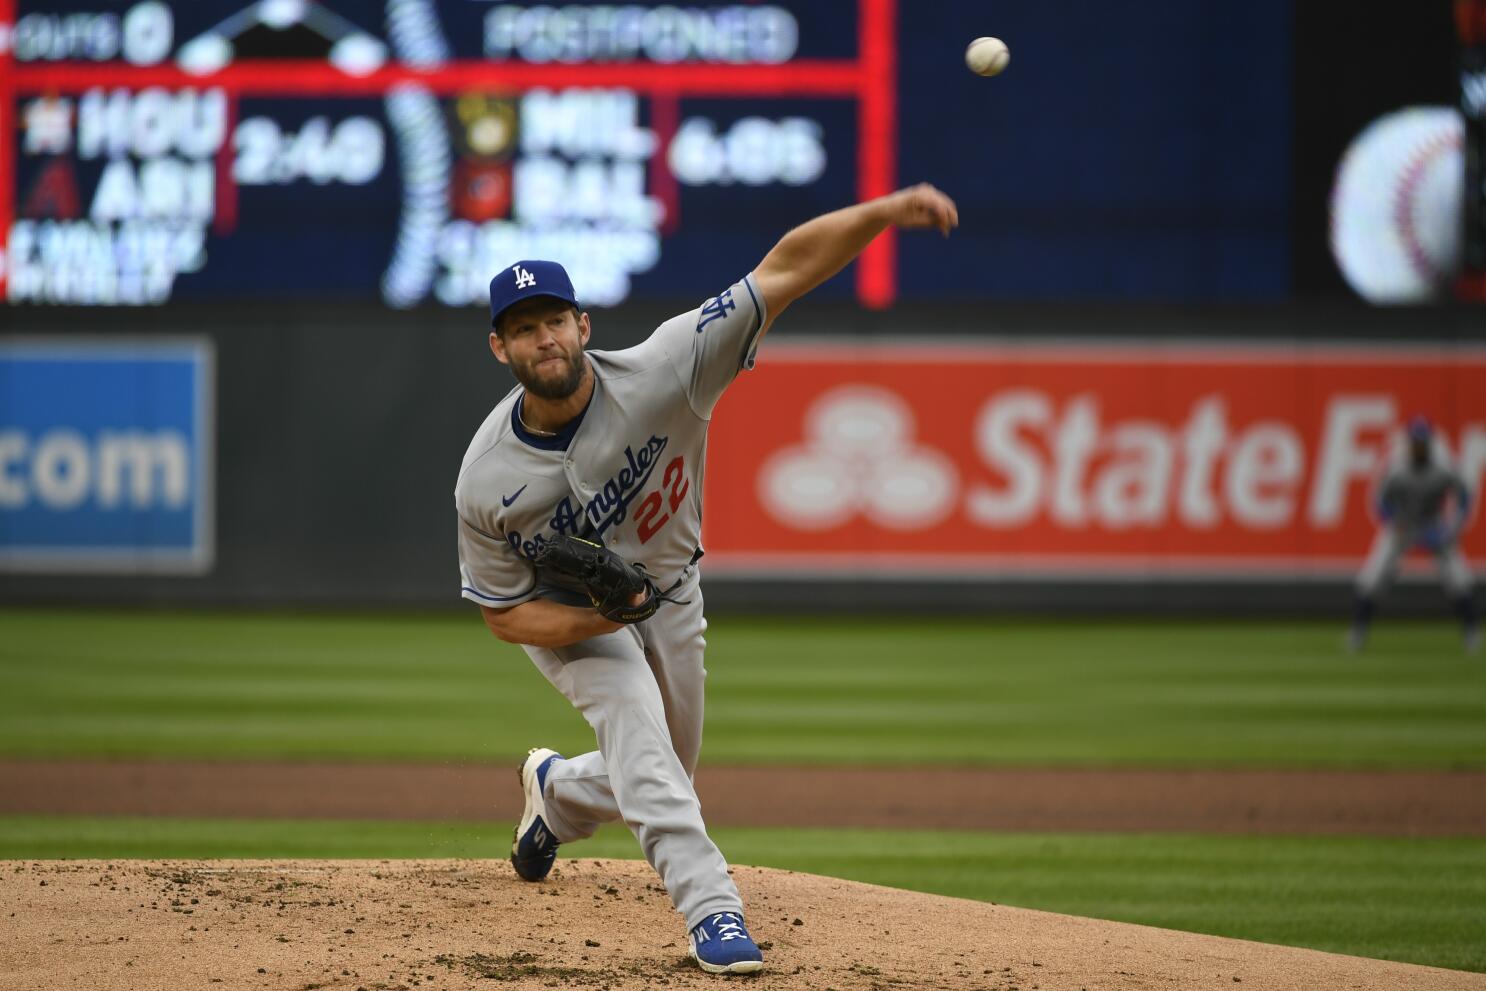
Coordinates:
<point>559,442</point>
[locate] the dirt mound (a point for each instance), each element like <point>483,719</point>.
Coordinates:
<point>601,924</point>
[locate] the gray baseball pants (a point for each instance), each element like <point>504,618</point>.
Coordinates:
<point>640,688</point>
<point>1388,549</point>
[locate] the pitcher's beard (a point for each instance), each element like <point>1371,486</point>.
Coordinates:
<point>549,388</point>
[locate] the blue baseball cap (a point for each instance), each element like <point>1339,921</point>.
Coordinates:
<point>526,279</point>
<point>1420,428</point>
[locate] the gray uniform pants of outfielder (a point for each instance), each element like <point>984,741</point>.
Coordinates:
<point>641,691</point>
<point>1388,549</point>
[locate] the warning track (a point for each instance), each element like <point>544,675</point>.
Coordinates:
<point>1379,803</point>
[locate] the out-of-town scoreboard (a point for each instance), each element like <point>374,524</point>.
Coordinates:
<point>220,149</point>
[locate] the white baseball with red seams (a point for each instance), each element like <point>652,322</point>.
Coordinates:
<point>987,56</point>
<point>1396,207</point>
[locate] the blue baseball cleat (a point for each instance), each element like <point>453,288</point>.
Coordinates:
<point>533,847</point>
<point>721,945</point>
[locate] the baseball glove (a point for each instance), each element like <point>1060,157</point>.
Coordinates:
<point>610,581</point>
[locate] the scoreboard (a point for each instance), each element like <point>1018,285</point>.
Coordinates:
<point>285,149</point>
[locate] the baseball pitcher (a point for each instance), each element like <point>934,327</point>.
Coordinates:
<point>1421,502</point>
<point>580,511</point>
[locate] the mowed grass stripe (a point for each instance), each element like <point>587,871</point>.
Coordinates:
<point>278,735</point>
<point>795,690</point>
<point>1415,900</point>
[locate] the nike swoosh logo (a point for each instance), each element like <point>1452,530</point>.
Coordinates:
<point>507,500</point>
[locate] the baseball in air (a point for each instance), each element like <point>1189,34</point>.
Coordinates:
<point>987,56</point>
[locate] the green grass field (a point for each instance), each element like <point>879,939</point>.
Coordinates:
<point>796,690</point>
<point>880,691</point>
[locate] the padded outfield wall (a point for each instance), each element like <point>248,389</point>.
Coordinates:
<point>950,458</point>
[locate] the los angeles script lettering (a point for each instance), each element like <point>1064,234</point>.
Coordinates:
<point>609,505</point>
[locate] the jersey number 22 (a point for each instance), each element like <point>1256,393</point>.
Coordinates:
<point>649,517</point>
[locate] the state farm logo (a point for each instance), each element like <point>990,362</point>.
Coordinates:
<point>1036,458</point>
<point>860,458</point>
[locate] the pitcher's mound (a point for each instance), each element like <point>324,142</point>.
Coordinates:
<point>602,924</point>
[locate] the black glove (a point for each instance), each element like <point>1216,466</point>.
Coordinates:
<point>610,581</point>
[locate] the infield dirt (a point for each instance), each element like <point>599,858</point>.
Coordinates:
<point>1359,802</point>
<point>400,925</point>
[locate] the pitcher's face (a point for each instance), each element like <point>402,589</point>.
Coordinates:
<point>542,341</point>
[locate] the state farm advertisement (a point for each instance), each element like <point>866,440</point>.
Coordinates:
<point>1140,460</point>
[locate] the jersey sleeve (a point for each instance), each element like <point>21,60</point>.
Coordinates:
<point>1385,498</point>
<point>1463,494</point>
<point>710,345</point>
<point>490,572</point>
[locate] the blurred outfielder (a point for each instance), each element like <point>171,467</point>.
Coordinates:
<point>1416,509</point>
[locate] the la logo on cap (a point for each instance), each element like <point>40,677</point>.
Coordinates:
<point>523,277</point>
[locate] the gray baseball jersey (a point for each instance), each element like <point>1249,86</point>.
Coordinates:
<point>1412,501</point>
<point>629,473</point>
<point>1413,498</point>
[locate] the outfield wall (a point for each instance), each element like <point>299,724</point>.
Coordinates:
<point>957,458</point>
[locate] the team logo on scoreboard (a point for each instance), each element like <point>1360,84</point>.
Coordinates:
<point>484,130</point>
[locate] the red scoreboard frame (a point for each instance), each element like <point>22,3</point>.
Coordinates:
<point>870,79</point>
